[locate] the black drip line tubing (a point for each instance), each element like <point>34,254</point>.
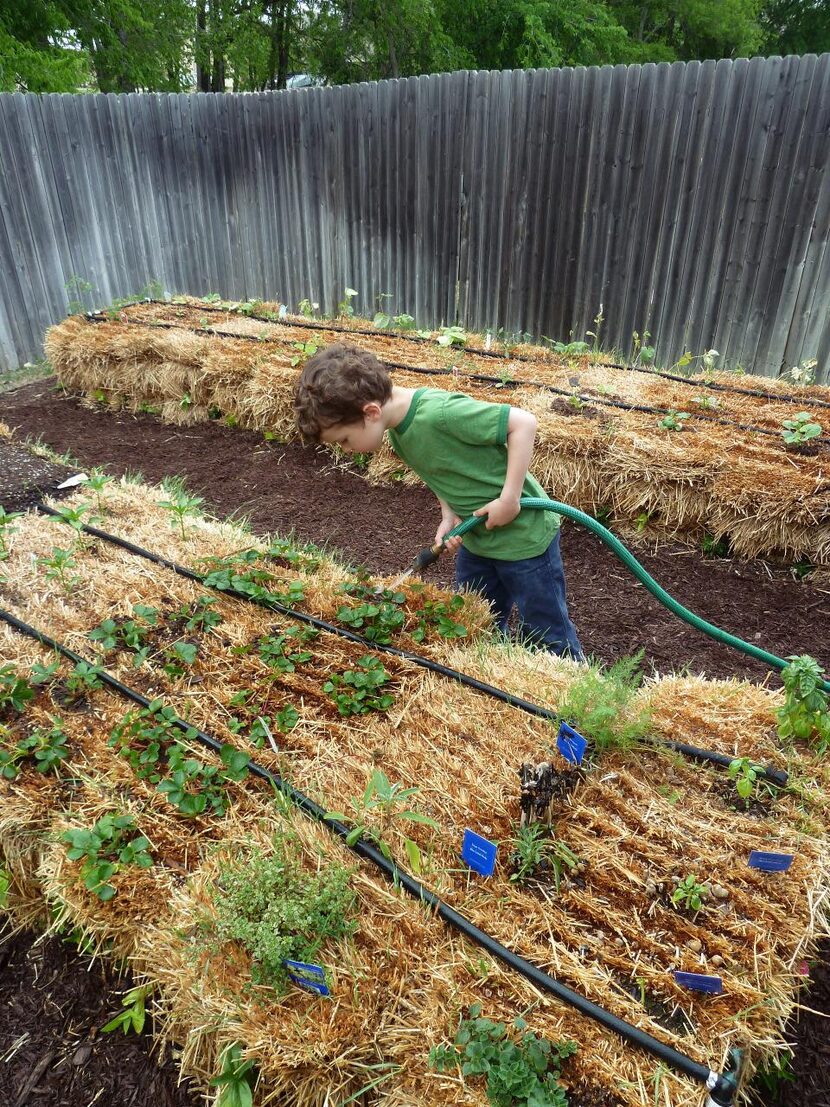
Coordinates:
<point>690,382</point>
<point>480,377</point>
<point>775,776</point>
<point>721,1086</point>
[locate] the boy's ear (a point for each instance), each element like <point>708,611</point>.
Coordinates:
<point>371,410</point>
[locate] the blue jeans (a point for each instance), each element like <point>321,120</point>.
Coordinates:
<point>535,585</point>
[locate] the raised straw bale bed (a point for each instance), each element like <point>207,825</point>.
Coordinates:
<point>635,820</point>
<point>602,443</point>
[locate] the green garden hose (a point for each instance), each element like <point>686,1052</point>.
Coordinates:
<point>628,559</point>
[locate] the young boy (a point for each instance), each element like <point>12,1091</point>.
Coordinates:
<point>474,456</point>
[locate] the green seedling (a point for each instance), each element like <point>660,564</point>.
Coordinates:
<point>234,1080</point>
<point>15,691</point>
<point>673,421</point>
<point>98,482</point>
<point>535,853</point>
<point>689,894</point>
<point>569,349</point>
<point>715,547</point>
<point>134,1012</point>
<point>378,622</point>
<point>180,504</point>
<point>745,774</point>
<point>7,530</point>
<point>306,350</point>
<point>178,657</point>
<point>601,705</point>
<point>521,1071</point>
<point>438,615</point>
<point>385,800</point>
<point>805,715</point>
<point>357,691</point>
<point>800,429</point>
<point>707,402</point>
<point>308,308</point>
<point>5,886</point>
<point>105,850</point>
<point>200,615</point>
<point>82,679</point>
<point>60,567</point>
<point>642,352</point>
<point>77,518</point>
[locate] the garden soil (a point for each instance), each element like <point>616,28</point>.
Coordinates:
<point>51,1004</point>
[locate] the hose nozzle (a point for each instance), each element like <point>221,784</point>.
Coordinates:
<point>428,556</point>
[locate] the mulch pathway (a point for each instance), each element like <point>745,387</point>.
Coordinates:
<point>292,488</point>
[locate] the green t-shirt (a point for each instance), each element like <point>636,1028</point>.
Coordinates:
<point>457,446</point>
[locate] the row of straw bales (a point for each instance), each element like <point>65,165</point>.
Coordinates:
<point>401,983</point>
<point>187,360</point>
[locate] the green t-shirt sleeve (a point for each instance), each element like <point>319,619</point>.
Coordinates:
<point>474,421</point>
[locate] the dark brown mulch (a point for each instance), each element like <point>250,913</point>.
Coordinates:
<point>291,488</point>
<point>52,1007</point>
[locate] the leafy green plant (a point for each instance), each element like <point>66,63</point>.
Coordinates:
<point>569,349</point>
<point>642,352</point>
<point>234,1079</point>
<point>279,910</point>
<point>707,402</point>
<point>200,615</point>
<point>276,650</point>
<point>715,547</point>
<point>82,679</point>
<point>689,894</point>
<point>384,799</point>
<point>452,336</point>
<point>7,530</point>
<point>357,691</point>
<point>520,1073</point>
<point>439,615</point>
<point>308,308</point>
<point>535,853</point>
<point>805,715</point>
<point>134,1013</point>
<point>345,306</point>
<point>377,622</point>
<point>60,567</point>
<point>178,657</point>
<point>306,350</point>
<point>105,850</point>
<point>745,774</point>
<point>600,704</point>
<point>77,518</point>
<point>15,691</point>
<point>98,482</point>
<point>5,885</point>
<point>180,504</point>
<point>673,421</point>
<point>800,429</point>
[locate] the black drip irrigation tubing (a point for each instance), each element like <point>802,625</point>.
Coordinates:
<point>584,397</point>
<point>721,1086</point>
<point>374,332</point>
<point>775,776</point>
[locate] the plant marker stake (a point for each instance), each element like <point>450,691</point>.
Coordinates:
<point>312,977</point>
<point>571,744</point>
<point>770,862</point>
<point>478,853</point>
<point>699,982</point>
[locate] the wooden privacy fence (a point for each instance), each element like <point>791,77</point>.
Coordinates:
<point>688,200</point>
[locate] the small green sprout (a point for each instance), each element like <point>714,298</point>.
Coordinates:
<point>689,894</point>
<point>800,429</point>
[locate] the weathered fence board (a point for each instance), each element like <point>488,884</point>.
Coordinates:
<point>688,200</point>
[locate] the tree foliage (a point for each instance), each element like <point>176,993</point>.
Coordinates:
<point>248,45</point>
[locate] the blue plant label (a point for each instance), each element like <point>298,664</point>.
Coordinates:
<point>312,977</point>
<point>478,853</point>
<point>571,744</point>
<point>770,862</point>
<point>698,982</point>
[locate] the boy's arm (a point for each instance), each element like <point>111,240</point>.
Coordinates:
<point>521,434</point>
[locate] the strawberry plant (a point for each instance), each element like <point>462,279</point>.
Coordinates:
<point>15,691</point>
<point>200,615</point>
<point>46,748</point>
<point>276,652</point>
<point>524,1072</point>
<point>438,614</point>
<point>377,622</point>
<point>357,691</point>
<point>105,850</point>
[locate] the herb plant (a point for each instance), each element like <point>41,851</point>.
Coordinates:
<point>745,774</point>
<point>105,850</point>
<point>384,799</point>
<point>805,715</point>
<point>277,909</point>
<point>535,853</point>
<point>689,894</point>
<point>133,1015</point>
<point>521,1071</point>
<point>600,705</point>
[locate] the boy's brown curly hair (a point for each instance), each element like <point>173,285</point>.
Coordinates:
<point>335,385</point>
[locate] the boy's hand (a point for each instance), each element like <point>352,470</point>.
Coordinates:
<point>500,512</point>
<point>448,521</point>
